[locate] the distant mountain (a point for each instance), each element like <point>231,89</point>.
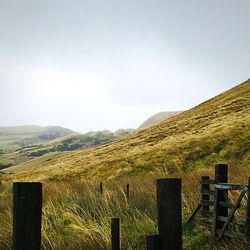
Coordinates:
<point>76,141</point>
<point>157,118</point>
<point>23,146</point>
<point>25,135</point>
<point>14,138</point>
<point>53,132</point>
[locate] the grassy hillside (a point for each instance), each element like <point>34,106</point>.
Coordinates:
<point>79,217</point>
<point>158,118</point>
<point>185,146</point>
<point>216,130</point>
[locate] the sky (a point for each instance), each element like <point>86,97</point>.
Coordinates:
<point>110,64</point>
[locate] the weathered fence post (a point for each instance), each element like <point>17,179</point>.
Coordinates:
<point>221,176</point>
<point>153,242</point>
<point>169,213</point>
<point>115,233</point>
<point>101,188</point>
<point>127,190</point>
<point>248,213</point>
<point>27,214</point>
<point>205,189</point>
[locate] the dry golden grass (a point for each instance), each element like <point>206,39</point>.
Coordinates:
<point>76,216</point>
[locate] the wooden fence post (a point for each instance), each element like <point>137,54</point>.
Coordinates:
<point>205,189</point>
<point>169,213</point>
<point>127,190</point>
<point>153,242</point>
<point>221,176</point>
<point>248,213</point>
<point>115,233</point>
<point>27,215</point>
<point>101,188</point>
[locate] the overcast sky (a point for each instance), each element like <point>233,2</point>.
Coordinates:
<point>109,64</point>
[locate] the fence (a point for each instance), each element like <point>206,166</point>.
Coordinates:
<point>27,210</point>
<point>218,214</point>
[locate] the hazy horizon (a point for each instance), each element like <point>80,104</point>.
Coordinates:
<point>112,64</point>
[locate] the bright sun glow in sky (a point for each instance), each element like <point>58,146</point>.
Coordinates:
<point>95,65</point>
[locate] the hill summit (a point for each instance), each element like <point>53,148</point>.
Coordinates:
<point>157,118</point>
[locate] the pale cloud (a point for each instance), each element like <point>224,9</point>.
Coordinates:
<point>91,65</point>
<point>54,85</point>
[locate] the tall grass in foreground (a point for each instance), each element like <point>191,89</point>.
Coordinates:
<point>77,216</point>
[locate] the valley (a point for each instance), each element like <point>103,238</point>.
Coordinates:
<point>214,131</point>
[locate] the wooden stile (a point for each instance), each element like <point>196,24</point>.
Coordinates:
<point>194,213</point>
<point>222,220</point>
<point>27,214</point>
<point>205,203</point>
<point>205,189</point>
<point>206,181</point>
<point>230,217</point>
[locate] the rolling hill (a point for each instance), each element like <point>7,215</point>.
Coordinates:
<point>43,143</point>
<point>158,118</point>
<point>14,138</point>
<point>74,142</point>
<point>25,135</point>
<point>214,131</point>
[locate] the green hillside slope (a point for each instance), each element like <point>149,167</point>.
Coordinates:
<point>216,130</point>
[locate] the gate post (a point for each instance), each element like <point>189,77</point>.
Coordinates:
<point>221,176</point>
